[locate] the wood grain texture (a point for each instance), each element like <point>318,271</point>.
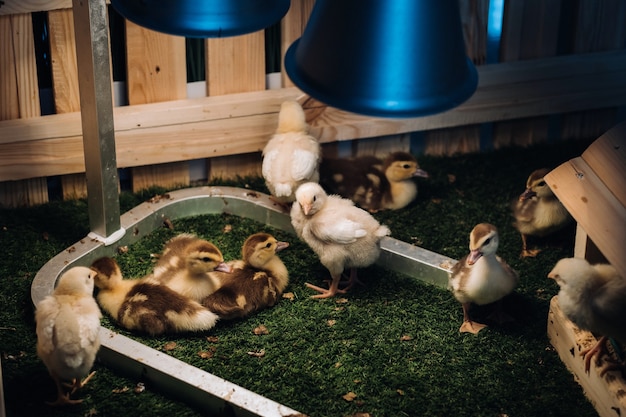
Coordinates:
<point>9,104</point>
<point>607,393</point>
<point>63,60</point>
<point>28,6</point>
<point>292,26</point>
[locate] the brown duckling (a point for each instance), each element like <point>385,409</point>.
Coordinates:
<point>146,306</point>
<point>481,277</point>
<point>343,236</point>
<point>187,266</point>
<point>373,183</point>
<point>256,281</point>
<point>537,211</point>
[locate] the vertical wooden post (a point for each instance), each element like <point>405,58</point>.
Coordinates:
<point>19,98</point>
<point>235,65</point>
<point>156,72</point>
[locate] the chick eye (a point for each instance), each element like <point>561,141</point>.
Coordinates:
<point>406,166</point>
<point>314,198</point>
<point>488,241</point>
<point>541,184</point>
<point>269,245</point>
<point>206,259</point>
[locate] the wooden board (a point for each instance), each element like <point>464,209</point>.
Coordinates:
<point>28,6</point>
<point>292,27</point>
<point>607,393</point>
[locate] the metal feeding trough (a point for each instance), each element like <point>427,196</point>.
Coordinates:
<point>172,376</point>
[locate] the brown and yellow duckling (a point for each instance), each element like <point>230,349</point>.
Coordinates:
<point>373,183</point>
<point>481,277</point>
<point>146,306</point>
<point>538,212</point>
<point>257,280</point>
<point>187,266</point>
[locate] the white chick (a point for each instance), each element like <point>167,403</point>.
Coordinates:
<point>593,298</point>
<point>481,277</point>
<point>68,323</point>
<point>291,156</point>
<point>342,235</point>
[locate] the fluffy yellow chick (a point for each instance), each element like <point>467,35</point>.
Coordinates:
<point>373,183</point>
<point>291,157</point>
<point>342,235</point>
<point>481,277</point>
<point>146,306</point>
<point>68,322</point>
<point>537,211</point>
<point>258,281</point>
<point>593,298</point>
<point>187,265</point>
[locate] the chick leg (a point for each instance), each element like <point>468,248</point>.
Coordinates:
<point>468,325</point>
<point>63,398</point>
<point>78,384</point>
<point>331,291</point>
<point>528,253</point>
<point>353,279</point>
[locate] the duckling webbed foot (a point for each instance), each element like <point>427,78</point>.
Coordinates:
<point>528,253</point>
<point>598,349</point>
<point>470,326</point>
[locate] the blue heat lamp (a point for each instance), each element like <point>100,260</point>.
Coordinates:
<point>203,18</point>
<point>384,58</point>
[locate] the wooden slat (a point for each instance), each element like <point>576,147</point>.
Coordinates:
<point>292,27</point>
<point>235,65</point>
<point>156,72</point>
<point>593,206</point>
<point>241,123</point>
<point>28,6</point>
<point>529,31</point>
<point>19,84</point>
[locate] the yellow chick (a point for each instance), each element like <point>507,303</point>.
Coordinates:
<point>537,211</point>
<point>146,306</point>
<point>291,157</point>
<point>592,297</point>
<point>342,235</point>
<point>68,323</point>
<point>481,277</point>
<point>256,282</point>
<point>373,183</point>
<point>187,265</point>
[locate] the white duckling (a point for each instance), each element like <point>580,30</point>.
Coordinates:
<point>481,277</point>
<point>593,298</point>
<point>537,211</point>
<point>187,266</point>
<point>372,183</point>
<point>291,157</point>
<point>146,306</point>
<point>342,235</point>
<point>68,323</point>
<point>257,281</point>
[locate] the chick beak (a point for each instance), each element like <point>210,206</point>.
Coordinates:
<point>421,173</point>
<point>224,267</point>
<point>281,245</point>
<point>306,208</point>
<point>473,256</point>
<point>529,193</point>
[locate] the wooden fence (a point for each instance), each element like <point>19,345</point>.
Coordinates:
<point>557,71</point>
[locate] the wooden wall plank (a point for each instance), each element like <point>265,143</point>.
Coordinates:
<point>530,30</point>
<point>292,27</point>
<point>157,72</point>
<point>235,65</point>
<point>474,16</point>
<point>20,99</point>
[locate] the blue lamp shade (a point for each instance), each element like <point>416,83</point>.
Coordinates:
<point>384,58</point>
<point>203,18</point>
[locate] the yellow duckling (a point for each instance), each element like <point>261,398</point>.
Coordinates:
<point>187,265</point>
<point>146,306</point>
<point>481,277</point>
<point>372,183</point>
<point>256,281</point>
<point>68,325</point>
<point>342,235</point>
<point>592,297</point>
<point>537,211</point>
<point>291,156</point>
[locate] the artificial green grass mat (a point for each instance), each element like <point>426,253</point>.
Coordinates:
<point>393,342</point>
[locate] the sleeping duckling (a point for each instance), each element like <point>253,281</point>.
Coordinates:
<point>68,325</point>
<point>372,183</point>
<point>342,235</point>
<point>592,297</point>
<point>187,265</point>
<point>537,211</point>
<point>291,156</point>
<point>146,306</point>
<point>481,277</point>
<point>258,281</point>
